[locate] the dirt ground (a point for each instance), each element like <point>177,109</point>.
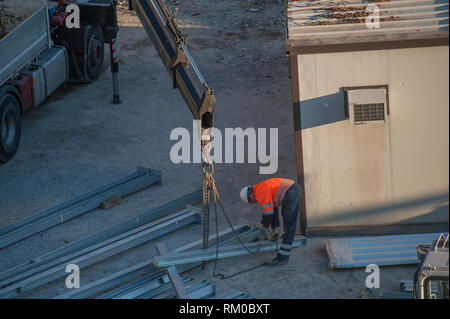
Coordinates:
<point>14,12</point>
<point>77,140</point>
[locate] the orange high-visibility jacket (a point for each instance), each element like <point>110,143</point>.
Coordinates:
<point>270,193</point>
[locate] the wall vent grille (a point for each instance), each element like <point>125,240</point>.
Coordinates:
<point>368,112</point>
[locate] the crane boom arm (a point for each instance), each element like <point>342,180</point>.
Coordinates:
<point>160,25</point>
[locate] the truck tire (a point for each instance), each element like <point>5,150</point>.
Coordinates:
<point>94,52</point>
<point>10,126</point>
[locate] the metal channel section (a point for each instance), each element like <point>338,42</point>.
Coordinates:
<point>111,248</point>
<point>379,250</point>
<point>173,274</point>
<point>159,287</point>
<point>77,206</point>
<point>126,237</point>
<point>150,293</point>
<point>169,42</point>
<point>233,294</point>
<point>147,267</point>
<point>24,43</point>
<point>162,289</point>
<point>142,286</point>
<point>173,259</point>
<point>140,173</point>
<point>196,289</point>
<point>396,295</point>
<point>148,283</point>
<point>128,224</point>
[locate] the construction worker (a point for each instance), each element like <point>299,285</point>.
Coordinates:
<point>270,194</point>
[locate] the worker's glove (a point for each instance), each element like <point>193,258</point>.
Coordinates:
<point>274,235</point>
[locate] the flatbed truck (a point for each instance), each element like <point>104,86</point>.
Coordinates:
<point>42,53</point>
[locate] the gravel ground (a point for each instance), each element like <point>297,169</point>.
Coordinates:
<point>77,140</point>
<point>14,12</point>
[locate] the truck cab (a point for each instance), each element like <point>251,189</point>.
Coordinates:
<point>431,276</point>
<point>42,52</point>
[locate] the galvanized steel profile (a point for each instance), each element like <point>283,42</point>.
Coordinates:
<point>379,250</point>
<point>77,206</point>
<point>227,251</point>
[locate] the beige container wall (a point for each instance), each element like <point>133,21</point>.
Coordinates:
<point>378,173</point>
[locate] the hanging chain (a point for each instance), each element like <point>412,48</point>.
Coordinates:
<point>206,205</point>
<point>209,186</point>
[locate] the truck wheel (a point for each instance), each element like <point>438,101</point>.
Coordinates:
<point>10,127</point>
<point>94,52</point>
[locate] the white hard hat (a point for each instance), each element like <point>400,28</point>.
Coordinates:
<point>244,192</point>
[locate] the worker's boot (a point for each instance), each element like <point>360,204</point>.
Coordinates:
<point>279,260</point>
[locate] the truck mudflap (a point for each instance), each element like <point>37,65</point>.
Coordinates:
<point>170,44</point>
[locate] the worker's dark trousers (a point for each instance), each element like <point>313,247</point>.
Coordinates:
<point>290,206</point>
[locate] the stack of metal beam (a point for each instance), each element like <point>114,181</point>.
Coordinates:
<point>131,275</point>
<point>152,287</point>
<point>144,177</point>
<point>145,280</point>
<point>99,246</point>
<point>230,250</point>
<point>160,288</point>
<point>380,250</point>
<point>233,294</point>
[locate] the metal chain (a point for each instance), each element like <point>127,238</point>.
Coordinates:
<point>206,205</point>
<point>209,185</point>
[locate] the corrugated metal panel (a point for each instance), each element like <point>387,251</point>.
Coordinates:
<point>308,19</point>
<point>379,250</point>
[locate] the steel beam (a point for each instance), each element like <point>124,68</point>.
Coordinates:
<point>71,248</point>
<point>160,25</point>
<point>173,259</point>
<point>380,250</point>
<point>67,258</point>
<point>150,292</point>
<point>224,236</point>
<point>172,273</point>
<point>77,206</point>
<point>143,286</point>
<point>233,294</point>
<point>146,267</point>
<point>114,280</point>
<point>114,247</point>
<point>196,289</point>
<point>396,295</point>
<point>120,291</point>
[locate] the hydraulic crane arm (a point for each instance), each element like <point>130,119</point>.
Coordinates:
<point>168,40</point>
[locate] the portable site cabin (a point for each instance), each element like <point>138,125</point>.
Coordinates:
<point>371,114</point>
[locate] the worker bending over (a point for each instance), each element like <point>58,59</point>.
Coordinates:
<point>270,194</point>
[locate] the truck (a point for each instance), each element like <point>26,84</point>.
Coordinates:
<point>431,276</point>
<point>43,51</point>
